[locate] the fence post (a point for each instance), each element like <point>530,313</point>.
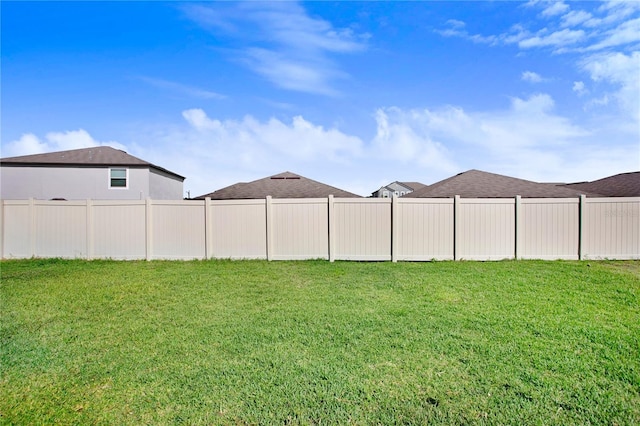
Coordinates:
<point>89,207</point>
<point>208,229</point>
<point>456,227</point>
<point>32,227</point>
<point>518,227</point>
<point>1,228</point>
<point>332,255</point>
<point>269,228</point>
<point>582,205</point>
<point>149,228</point>
<point>394,228</point>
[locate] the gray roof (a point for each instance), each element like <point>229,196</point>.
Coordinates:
<point>414,186</point>
<point>99,156</point>
<point>620,185</point>
<point>283,185</point>
<point>479,184</point>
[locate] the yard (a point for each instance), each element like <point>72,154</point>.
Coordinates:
<point>314,342</point>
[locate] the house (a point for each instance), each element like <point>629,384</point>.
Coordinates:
<point>479,184</point>
<point>101,173</point>
<point>283,185</point>
<point>398,189</point>
<point>620,185</point>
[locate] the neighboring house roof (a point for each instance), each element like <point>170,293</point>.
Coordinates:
<point>414,186</point>
<point>410,186</point>
<point>283,185</point>
<point>620,185</point>
<point>98,156</point>
<point>479,184</point>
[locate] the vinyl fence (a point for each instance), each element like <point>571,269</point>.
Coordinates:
<point>396,229</point>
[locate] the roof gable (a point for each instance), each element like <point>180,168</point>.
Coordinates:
<point>282,185</point>
<point>97,156</point>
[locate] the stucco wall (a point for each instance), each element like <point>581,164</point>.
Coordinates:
<point>163,186</point>
<point>70,183</point>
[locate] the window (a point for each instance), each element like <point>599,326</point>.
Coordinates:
<point>385,194</point>
<point>117,178</point>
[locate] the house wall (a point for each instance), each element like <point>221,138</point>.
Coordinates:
<point>343,228</point>
<point>163,186</point>
<point>393,189</point>
<point>70,183</point>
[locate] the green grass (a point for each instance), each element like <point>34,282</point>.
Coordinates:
<point>313,342</point>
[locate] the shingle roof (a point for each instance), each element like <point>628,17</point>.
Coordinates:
<point>479,184</point>
<point>414,186</point>
<point>98,156</point>
<point>283,185</point>
<point>620,185</point>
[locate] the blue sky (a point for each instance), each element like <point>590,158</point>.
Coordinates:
<point>353,94</point>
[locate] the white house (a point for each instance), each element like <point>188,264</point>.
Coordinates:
<point>101,173</point>
<point>398,189</point>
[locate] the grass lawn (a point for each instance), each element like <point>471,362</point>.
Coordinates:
<point>313,342</point>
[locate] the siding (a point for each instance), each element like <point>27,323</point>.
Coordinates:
<point>81,183</point>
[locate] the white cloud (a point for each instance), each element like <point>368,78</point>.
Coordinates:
<point>614,24</point>
<point>300,139</point>
<point>531,77</point>
<point>27,144</point>
<point>214,153</point>
<point>456,23</point>
<point>616,10</point>
<point>623,73</point>
<point>555,8</point>
<point>285,45</point>
<point>292,73</point>
<point>54,141</point>
<point>579,88</point>
<point>527,139</point>
<point>406,137</point>
<point>575,17</point>
<point>626,33</point>
<point>182,89</point>
<point>560,38</point>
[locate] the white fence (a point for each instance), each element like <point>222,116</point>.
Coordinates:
<point>412,229</point>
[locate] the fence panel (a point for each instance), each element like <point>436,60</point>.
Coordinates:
<point>486,229</point>
<point>362,229</point>
<point>348,229</point>
<point>61,229</point>
<point>611,228</point>
<point>299,229</point>
<point>238,229</point>
<point>549,228</point>
<point>423,229</point>
<point>178,230</point>
<point>17,232</point>
<point>119,230</point>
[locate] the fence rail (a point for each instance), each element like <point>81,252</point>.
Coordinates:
<point>396,229</point>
